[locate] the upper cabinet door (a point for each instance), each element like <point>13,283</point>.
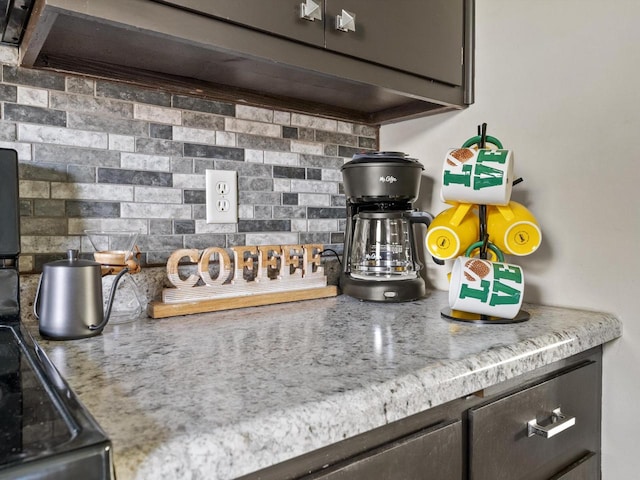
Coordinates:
<point>424,37</point>
<point>279,17</point>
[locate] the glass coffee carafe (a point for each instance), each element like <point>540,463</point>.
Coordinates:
<point>382,247</point>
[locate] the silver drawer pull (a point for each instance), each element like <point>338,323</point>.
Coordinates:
<point>346,21</point>
<point>310,10</point>
<point>559,423</point>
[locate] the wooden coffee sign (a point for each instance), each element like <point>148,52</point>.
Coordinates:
<point>239,277</point>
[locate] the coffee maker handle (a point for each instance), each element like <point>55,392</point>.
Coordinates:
<point>419,217</point>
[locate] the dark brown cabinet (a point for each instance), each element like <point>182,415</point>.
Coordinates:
<point>501,446</point>
<point>416,36</point>
<point>434,452</point>
<point>489,435</point>
<point>385,62</point>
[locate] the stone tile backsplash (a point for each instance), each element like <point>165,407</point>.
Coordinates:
<point>102,155</point>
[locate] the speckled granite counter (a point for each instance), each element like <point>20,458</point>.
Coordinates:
<point>223,394</point>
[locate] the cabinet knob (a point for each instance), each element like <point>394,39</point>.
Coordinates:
<point>310,10</point>
<point>346,21</point>
<point>559,423</point>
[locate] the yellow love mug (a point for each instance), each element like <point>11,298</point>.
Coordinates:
<point>452,231</point>
<point>513,229</point>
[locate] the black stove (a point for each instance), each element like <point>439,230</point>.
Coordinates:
<point>45,432</point>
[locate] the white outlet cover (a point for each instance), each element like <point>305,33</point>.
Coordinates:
<point>222,196</point>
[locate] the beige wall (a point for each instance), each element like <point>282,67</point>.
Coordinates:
<point>558,82</point>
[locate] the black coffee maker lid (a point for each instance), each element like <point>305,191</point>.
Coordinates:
<point>390,157</point>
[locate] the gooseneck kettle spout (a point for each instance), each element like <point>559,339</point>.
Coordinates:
<point>107,313</point>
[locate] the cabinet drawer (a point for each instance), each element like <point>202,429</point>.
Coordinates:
<point>500,447</point>
<point>434,453</point>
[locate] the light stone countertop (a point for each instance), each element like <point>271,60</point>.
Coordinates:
<point>223,394</point>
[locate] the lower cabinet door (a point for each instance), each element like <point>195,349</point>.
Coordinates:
<point>542,432</point>
<point>434,454</point>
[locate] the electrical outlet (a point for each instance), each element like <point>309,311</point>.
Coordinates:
<point>222,196</point>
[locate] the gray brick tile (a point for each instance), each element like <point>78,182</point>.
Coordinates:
<point>262,212</point>
<point>49,208</point>
<point>337,237</point>
<point>160,243</point>
<point>7,132</point>
<point>34,78</point>
<point>264,143</point>
<point>181,165</point>
<point>236,240</point>
<point>370,143</point>
<point>8,93</point>
<point>315,237</point>
<point>308,134</point>
<point>201,105</point>
<point>338,201</point>
<point>320,161</point>
<point>157,146</point>
<point>86,104</point>
<point>43,225</point>
<point>264,225</point>
<point>74,156</point>
<point>101,123</point>
<point>202,120</point>
<point>314,174</point>
<point>26,207</point>
<point>212,151</point>
<point>157,130</point>
<point>184,227</point>
<point>41,171</point>
<point>290,132</point>
<point>200,165</point>
<point>79,208</point>
<point>134,177</point>
<point>245,169</point>
<point>83,86</point>
<point>194,196</point>
<point>255,184</point>
<point>81,174</point>
<point>259,198</point>
<point>29,114</point>
<point>331,150</point>
<point>366,131</point>
<point>160,226</point>
<point>319,212</point>
<point>290,198</point>
<point>131,93</point>
<point>280,171</point>
<point>336,138</point>
<point>289,212</point>
<point>205,240</point>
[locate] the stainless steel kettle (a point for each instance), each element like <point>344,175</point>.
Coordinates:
<point>68,303</point>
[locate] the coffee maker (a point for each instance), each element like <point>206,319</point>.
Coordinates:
<point>379,259</point>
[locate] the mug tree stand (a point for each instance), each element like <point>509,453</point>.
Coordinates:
<point>450,314</point>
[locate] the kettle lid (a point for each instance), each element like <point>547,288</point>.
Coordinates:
<point>72,260</point>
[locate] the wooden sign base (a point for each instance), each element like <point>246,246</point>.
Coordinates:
<point>163,310</point>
